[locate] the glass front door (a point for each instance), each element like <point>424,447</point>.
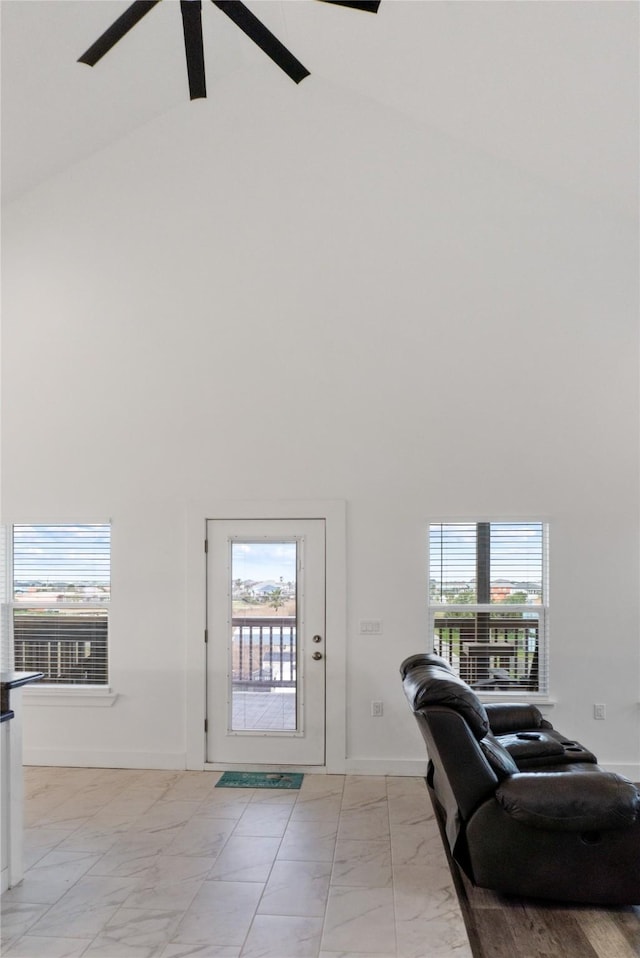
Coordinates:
<point>266,642</point>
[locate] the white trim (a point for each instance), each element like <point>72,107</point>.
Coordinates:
<point>240,767</point>
<point>69,696</point>
<point>449,518</point>
<point>495,607</point>
<point>506,696</point>
<point>79,606</point>
<point>378,766</point>
<point>333,511</point>
<point>90,758</point>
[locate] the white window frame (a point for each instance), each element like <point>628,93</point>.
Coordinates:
<point>542,610</point>
<point>6,596</point>
<point>58,693</point>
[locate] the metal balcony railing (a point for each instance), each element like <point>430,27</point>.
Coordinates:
<point>69,648</point>
<point>263,652</point>
<point>490,652</point>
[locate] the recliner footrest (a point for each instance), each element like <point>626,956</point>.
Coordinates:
<point>580,802</point>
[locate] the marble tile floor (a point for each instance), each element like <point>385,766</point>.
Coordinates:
<point>122,863</point>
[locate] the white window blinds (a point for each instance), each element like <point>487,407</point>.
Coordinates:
<point>487,597</point>
<point>61,591</point>
<point>486,561</point>
<point>6,652</point>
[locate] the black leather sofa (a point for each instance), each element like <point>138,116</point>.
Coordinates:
<point>526,810</point>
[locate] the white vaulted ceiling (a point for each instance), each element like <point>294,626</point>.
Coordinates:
<point>550,87</point>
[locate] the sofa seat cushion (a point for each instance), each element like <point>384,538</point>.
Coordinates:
<point>535,748</point>
<point>569,768</point>
<point>583,801</point>
<point>531,744</point>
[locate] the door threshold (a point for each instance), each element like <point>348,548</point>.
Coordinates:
<point>232,767</point>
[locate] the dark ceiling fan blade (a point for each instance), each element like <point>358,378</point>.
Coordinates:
<point>192,25</point>
<point>257,32</point>
<point>117,30</point>
<point>370,6</point>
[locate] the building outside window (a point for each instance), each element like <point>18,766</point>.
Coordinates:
<point>488,602</point>
<point>60,602</point>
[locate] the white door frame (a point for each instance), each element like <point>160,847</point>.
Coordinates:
<point>333,511</point>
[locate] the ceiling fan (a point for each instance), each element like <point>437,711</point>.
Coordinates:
<point>192,27</point>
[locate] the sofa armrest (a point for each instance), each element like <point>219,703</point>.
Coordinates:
<point>538,744</point>
<point>570,802</point>
<point>514,717</point>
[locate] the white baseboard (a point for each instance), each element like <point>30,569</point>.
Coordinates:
<point>390,766</point>
<point>79,758</point>
<point>176,761</point>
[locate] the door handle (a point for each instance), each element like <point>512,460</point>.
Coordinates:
<point>316,656</point>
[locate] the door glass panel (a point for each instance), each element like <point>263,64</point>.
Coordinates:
<point>264,636</point>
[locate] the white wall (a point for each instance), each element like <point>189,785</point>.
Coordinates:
<point>269,295</point>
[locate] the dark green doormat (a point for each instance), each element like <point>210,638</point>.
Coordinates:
<point>260,780</point>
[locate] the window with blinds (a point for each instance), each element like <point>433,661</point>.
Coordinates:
<point>61,591</point>
<point>488,602</point>
<point>6,651</point>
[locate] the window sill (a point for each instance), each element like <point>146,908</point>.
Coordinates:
<point>531,698</point>
<point>70,696</point>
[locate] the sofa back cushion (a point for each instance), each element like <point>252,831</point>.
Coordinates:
<point>429,681</point>
<point>514,716</point>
